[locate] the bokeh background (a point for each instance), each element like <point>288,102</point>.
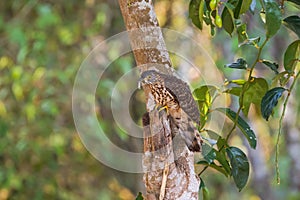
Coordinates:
<point>43,44</point>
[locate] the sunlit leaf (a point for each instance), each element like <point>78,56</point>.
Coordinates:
<point>16,72</point>
<point>293,23</point>
<point>201,12</point>
<point>245,6</point>
<point>242,124</point>
<point>204,96</point>
<point>241,6</point>
<point>273,17</point>
<point>240,166</point>
<point>254,92</point>
<point>221,143</point>
<point>196,7</point>
<point>208,20</point>
<point>18,91</point>
<point>234,90</point>
<point>239,64</point>
<point>238,81</point>
<point>270,100</point>
<point>272,65</point>
<point>30,111</point>
<point>242,34</point>
<point>292,56</point>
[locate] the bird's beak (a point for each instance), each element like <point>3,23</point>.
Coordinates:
<point>140,83</point>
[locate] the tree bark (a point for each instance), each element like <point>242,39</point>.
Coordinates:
<point>168,164</point>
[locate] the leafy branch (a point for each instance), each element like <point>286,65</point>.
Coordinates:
<point>245,89</point>
<point>250,91</point>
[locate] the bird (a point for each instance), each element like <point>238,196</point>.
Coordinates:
<point>175,95</point>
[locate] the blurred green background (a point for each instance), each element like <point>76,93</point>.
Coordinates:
<point>43,44</point>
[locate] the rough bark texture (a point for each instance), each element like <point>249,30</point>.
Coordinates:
<point>168,164</point>
<point>145,35</point>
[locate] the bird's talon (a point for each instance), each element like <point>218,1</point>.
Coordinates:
<point>162,108</point>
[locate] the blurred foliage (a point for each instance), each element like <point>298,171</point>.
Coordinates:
<point>43,44</point>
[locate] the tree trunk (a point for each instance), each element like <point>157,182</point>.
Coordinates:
<point>168,164</point>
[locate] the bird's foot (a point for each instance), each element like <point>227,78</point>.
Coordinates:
<point>160,108</point>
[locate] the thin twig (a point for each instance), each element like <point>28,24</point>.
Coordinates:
<point>244,89</point>
<point>280,126</point>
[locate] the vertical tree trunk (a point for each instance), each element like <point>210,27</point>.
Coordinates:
<point>168,165</point>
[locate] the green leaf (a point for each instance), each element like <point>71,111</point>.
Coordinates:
<point>270,100</point>
<point>204,96</point>
<point>273,17</point>
<point>254,92</point>
<point>228,18</point>
<point>196,12</point>
<point>293,23</point>
<point>202,184</point>
<point>221,158</point>
<point>272,65</point>
<point>240,166</point>
<point>242,34</point>
<point>237,8</point>
<point>295,1</point>
<point>241,6</point>
<point>139,196</point>
<point>245,6</point>
<point>242,124</point>
<point>221,143</point>
<point>210,156</point>
<point>220,169</point>
<point>216,167</point>
<point>205,193</point>
<point>239,64</point>
<point>234,90</point>
<point>292,56</point>
<point>208,20</point>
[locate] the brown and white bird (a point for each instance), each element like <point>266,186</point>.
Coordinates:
<point>175,95</point>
